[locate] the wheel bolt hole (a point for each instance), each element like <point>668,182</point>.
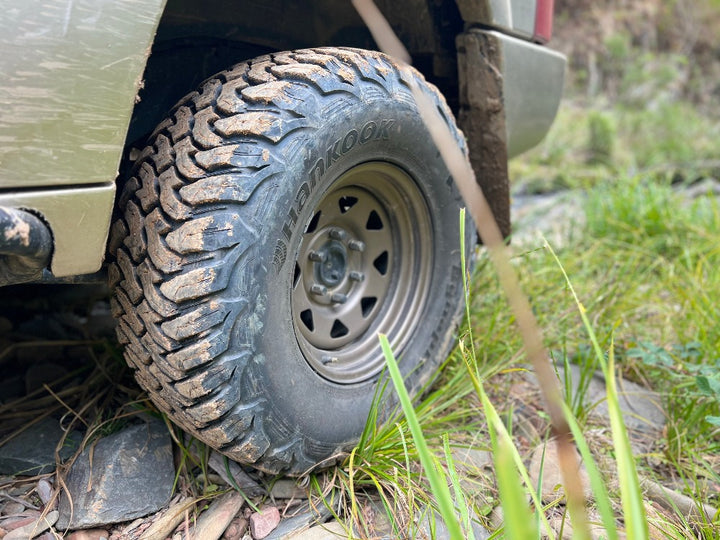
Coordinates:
<point>374,223</point>
<point>346,203</point>
<point>338,330</point>
<point>313,223</point>
<point>381,263</point>
<point>367,304</point>
<point>307,318</point>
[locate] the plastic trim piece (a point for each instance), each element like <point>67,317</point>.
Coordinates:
<point>79,219</point>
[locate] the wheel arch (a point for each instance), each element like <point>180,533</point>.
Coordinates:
<point>195,40</point>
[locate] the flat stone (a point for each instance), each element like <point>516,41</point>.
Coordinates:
<point>36,528</point>
<point>11,508</point>
<point>441,531</point>
<point>89,534</point>
<point>44,490</point>
<point>264,522</point>
<point>214,521</point>
<point>296,525</point>
<point>236,529</point>
<point>32,452</point>
<point>333,530</point>
<point>131,475</point>
<point>232,473</point>
<point>472,461</point>
<point>287,489</point>
<point>641,408</point>
<point>552,480</point>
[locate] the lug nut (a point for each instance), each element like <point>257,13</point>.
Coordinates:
<point>316,257</point>
<point>318,290</point>
<point>338,298</point>
<point>356,245</point>
<point>356,276</point>
<point>337,234</point>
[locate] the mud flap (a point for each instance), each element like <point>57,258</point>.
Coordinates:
<point>482,119</point>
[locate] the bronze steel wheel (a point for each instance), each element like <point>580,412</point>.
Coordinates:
<point>363,268</point>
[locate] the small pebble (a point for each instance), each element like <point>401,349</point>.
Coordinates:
<point>44,490</point>
<point>236,529</point>
<point>12,523</point>
<point>89,534</point>
<point>12,508</point>
<point>34,528</point>
<point>264,522</point>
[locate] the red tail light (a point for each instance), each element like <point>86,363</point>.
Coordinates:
<point>543,20</point>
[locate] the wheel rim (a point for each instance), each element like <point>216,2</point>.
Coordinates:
<point>363,268</point>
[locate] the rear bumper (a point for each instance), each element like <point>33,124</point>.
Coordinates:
<point>533,79</point>
<point>531,83</point>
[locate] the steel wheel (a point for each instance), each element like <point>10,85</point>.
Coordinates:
<point>363,268</point>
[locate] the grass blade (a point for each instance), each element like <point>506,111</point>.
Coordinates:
<point>460,501</point>
<point>630,491</point>
<point>519,522</point>
<point>602,499</point>
<point>496,425</point>
<point>437,481</point>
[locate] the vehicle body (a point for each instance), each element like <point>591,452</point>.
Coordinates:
<point>84,83</point>
<point>84,80</point>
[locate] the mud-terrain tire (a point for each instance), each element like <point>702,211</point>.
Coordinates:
<point>279,218</point>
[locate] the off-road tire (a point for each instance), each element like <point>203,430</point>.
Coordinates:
<point>213,218</point>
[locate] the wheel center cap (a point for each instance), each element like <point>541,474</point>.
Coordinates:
<point>331,269</point>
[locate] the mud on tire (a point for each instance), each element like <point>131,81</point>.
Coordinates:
<point>280,218</point>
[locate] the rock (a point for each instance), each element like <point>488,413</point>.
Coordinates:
<point>677,502</point>
<point>262,523</point>
<point>472,461</point>
<point>163,526</point>
<point>36,528</point>
<point>303,522</point>
<point>32,452</point>
<point>551,474</point>
<point>89,534</point>
<point>641,408</point>
<point>236,529</point>
<point>441,531</point>
<point>287,489</point>
<point>11,508</point>
<point>233,474</point>
<point>131,475</point>
<point>19,520</point>
<point>212,523</point>
<point>44,491</point>
<point>332,530</point>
